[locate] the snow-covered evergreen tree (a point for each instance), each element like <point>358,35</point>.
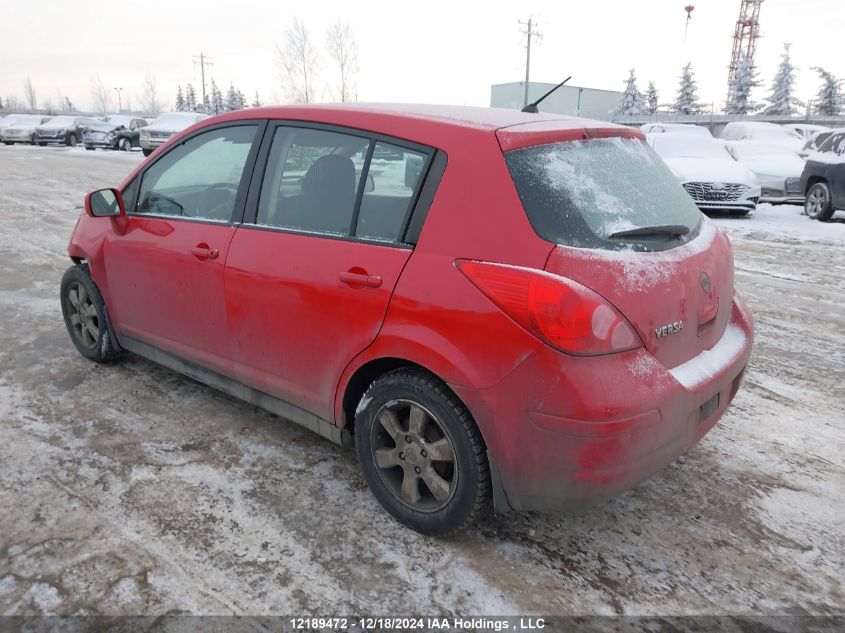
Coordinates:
<point>180,100</point>
<point>782,99</point>
<point>216,104</point>
<point>232,102</point>
<point>1,104</point>
<point>651,98</point>
<point>241,100</point>
<point>739,92</point>
<point>256,102</point>
<point>830,99</point>
<point>190,99</point>
<point>631,101</point>
<point>687,100</point>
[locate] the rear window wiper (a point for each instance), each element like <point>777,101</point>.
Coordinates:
<point>672,230</point>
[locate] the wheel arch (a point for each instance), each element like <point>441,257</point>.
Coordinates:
<point>814,179</point>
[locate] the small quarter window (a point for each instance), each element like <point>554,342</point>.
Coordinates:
<point>393,179</point>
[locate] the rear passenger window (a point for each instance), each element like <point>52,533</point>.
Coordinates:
<point>393,178</point>
<point>311,181</point>
<point>200,177</point>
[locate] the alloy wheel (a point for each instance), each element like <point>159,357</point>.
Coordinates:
<point>82,314</point>
<point>414,456</point>
<point>816,201</point>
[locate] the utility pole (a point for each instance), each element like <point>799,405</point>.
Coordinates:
<point>529,33</point>
<point>119,102</point>
<point>203,61</point>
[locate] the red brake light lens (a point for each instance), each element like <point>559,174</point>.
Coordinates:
<point>563,313</point>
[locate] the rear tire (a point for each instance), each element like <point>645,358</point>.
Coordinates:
<point>89,148</point>
<point>126,145</point>
<point>71,140</point>
<point>819,203</point>
<point>86,317</point>
<point>421,453</point>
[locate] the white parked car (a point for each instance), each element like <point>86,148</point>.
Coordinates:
<point>777,168</point>
<point>20,128</point>
<point>767,133</point>
<point>675,128</point>
<point>714,180</point>
<point>165,126</point>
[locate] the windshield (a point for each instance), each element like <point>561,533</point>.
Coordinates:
<point>20,118</point>
<point>677,146</point>
<point>744,150</point>
<point>579,193</point>
<point>60,121</point>
<point>179,119</point>
<point>774,133</point>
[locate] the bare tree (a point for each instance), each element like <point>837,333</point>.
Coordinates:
<point>100,95</point>
<point>343,49</point>
<point>29,94</point>
<point>150,102</point>
<point>298,62</point>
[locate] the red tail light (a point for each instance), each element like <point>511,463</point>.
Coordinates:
<point>561,312</point>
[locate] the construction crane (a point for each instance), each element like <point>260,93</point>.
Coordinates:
<point>745,36</point>
<point>689,9</point>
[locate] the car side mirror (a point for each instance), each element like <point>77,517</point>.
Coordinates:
<point>370,186</point>
<point>104,203</point>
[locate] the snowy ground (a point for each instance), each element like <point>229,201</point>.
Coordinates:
<point>129,489</point>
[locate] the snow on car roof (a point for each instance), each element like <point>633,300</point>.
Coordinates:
<point>472,116</point>
<point>687,146</point>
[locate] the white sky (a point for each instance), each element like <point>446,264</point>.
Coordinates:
<point>432,51</point>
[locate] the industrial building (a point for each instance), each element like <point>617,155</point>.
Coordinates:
<point>590,103</point>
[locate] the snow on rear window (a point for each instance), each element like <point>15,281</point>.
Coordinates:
<point>579,193</point>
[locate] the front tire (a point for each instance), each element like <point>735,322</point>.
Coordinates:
<point>126,145</point>
<point>146,151</point>
<point>85,316</point>
<point>421,453</point>
<point>89,148</point>
<point>71,140</point>
<point>819,203</point>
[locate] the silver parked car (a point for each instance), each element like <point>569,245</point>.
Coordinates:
<point>165,126</point>
<point>20,128</point>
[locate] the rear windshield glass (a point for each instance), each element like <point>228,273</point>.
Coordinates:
<point>579,193</point>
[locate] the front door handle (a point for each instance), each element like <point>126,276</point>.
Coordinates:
<point>360,279</point>
<point>204,251</point>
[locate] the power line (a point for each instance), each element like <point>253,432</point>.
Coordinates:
<point>529,32</point>
<point>203,61</point>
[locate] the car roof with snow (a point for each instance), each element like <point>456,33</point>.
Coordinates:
<point>438,124</point>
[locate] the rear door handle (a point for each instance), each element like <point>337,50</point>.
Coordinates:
<point>360,279</point>
<point>203,251</point>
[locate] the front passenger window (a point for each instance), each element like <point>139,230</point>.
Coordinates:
<point>199,178</point>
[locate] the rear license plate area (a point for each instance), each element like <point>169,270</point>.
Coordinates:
<point>708,408</point>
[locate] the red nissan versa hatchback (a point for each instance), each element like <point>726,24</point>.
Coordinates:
<point>493,305</point>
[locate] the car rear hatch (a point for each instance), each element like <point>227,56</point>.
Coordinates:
<point>625,228</point>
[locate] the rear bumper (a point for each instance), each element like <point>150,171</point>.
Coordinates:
<point>564,432</point>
